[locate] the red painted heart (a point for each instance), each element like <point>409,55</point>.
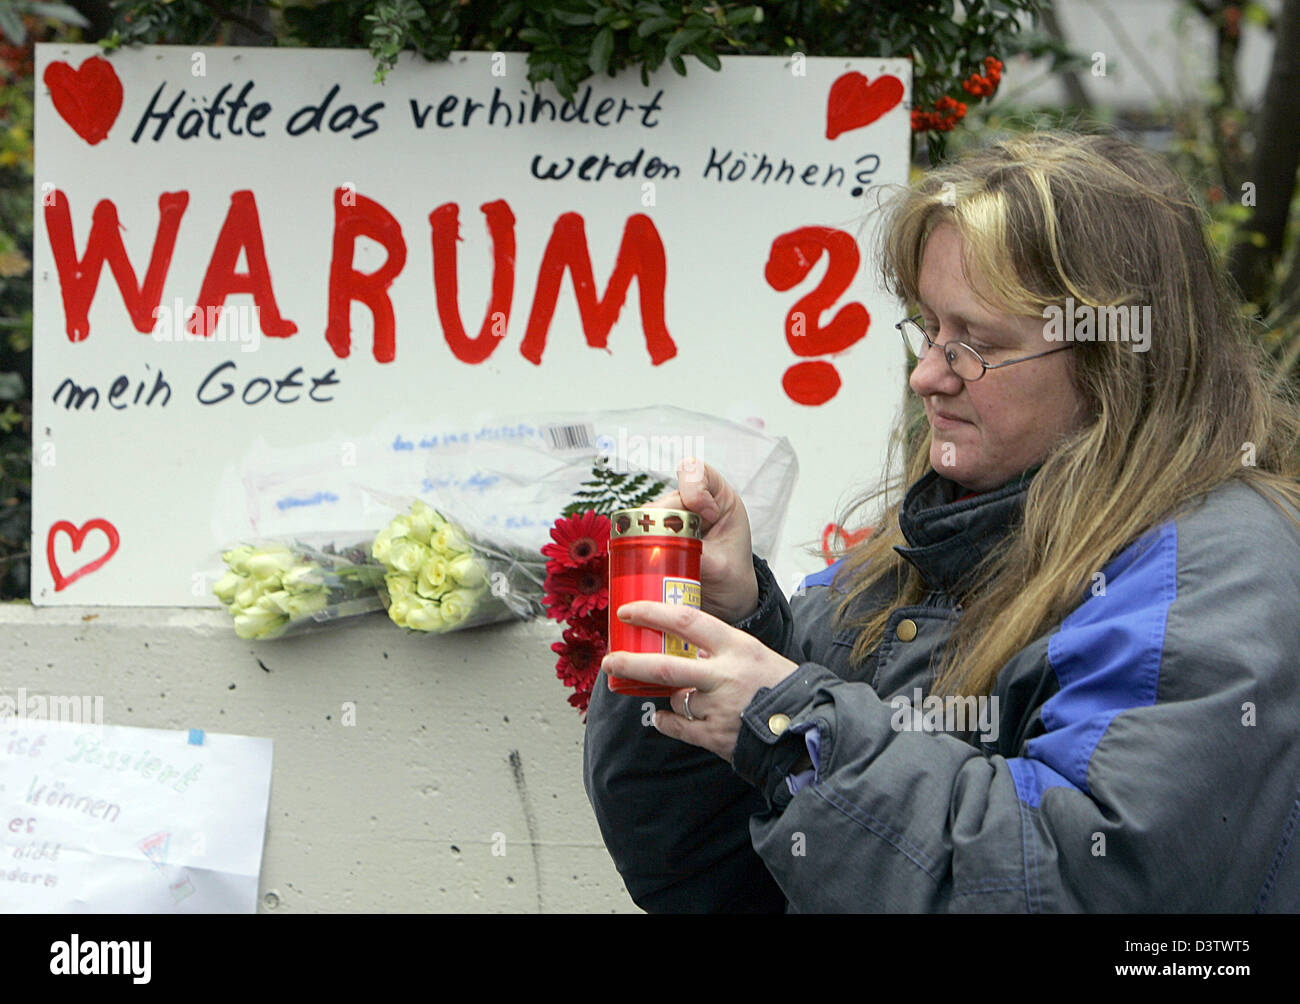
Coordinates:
<point>88,97</point>
<point>851,537</point>
<point>853,103</point>
<point>78,536</point>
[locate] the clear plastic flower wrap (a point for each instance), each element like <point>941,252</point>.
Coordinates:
<point>441,577</point>
<point>279,587</point>
<point>511,489</point>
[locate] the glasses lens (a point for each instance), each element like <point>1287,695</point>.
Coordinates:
<point>964,362</point>
<point>914,337</point>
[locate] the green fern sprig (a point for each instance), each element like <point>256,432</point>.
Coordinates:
<point>607,491</point>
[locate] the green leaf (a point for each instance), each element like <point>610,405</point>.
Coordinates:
<point>11,386</point>
<point>678,65</point>
<point>1256,14</point>
<point>602,47</point>
<point>534,36</point>
<point>655,24</point>
<point>61,12</point>
<point>680,40</point>
<point>570,17</point>
<point>12,26</point>
<point>508,14</point>
<point>9,419</point>
<point>745,15</point>
<point>706,56</point>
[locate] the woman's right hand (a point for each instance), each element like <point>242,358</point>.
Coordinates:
<point>728,585</point>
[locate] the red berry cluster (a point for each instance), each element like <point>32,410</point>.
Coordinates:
<point>948,111</point>
<point>1232,21</point>
<point>983,86</point>
<point>16,61</point>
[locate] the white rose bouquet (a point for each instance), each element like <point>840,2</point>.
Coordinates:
<point>276,588</point>
<point>439,578</point>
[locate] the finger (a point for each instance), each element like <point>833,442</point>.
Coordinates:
<point>679,703</point>
<point>702,630</point>
<point>672,500</point>
<point>703,490</point>
<point>674,726</point>
<point>672,671</point>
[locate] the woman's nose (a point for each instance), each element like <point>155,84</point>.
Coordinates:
<point>933,375</point>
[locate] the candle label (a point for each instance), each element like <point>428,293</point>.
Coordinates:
<point>685,592</point>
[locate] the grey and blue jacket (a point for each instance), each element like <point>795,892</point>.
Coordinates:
<point>1141,755</point>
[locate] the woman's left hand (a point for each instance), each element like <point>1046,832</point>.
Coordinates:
<point>731,668</point>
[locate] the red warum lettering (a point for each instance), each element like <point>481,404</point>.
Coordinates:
<point>356,216</point>
<point>444,223</point>
<point>79,278</point>
<point>241,231</point>
<point>641,254</point>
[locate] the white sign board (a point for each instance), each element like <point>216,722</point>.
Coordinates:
<point>243,253</point>
<point>115,819</point>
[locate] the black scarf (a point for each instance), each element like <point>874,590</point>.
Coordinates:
<point>949,538</point>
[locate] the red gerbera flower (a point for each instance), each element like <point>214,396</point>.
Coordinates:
<point>579,539</point>
<point>580,654</point>
<point>573,592</point>
<point>579,699</point>
<point>594,621</point>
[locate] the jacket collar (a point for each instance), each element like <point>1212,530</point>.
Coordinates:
<point>948,539</point>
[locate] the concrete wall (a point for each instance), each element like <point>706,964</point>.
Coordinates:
<point>456,739</point>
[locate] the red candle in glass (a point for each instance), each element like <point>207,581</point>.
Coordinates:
<point>654,554</point>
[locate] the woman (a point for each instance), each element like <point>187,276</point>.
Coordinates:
<point>1098,554</point>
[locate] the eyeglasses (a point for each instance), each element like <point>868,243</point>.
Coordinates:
<point>962,359</point>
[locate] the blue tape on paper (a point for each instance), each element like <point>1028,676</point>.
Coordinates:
<point>196,737</point>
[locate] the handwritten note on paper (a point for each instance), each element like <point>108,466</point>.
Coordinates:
<point>114,819</point>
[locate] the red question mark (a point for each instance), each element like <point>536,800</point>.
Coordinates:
<point>791,258</point>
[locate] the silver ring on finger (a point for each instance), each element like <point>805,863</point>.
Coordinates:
<point>686,707</point>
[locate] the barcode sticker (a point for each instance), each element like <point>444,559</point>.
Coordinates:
<point>570,437</point>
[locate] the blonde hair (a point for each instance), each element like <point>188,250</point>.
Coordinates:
<point>1043,217</point>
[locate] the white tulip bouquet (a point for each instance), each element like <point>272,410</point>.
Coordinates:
<point>439,578</point>
<point>276,588</point>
